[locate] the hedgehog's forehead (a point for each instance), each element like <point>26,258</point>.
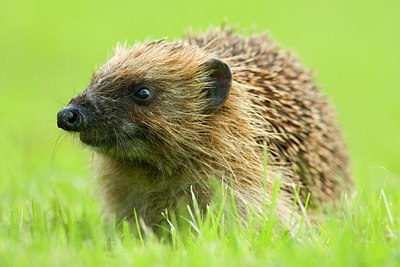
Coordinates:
<point>144,62</point>
<point>157,54</point>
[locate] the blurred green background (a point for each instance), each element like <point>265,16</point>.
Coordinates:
<point>49,49</point>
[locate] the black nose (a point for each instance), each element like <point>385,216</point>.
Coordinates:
<point>70,118</point>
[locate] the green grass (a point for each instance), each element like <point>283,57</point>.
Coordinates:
<point>49,211</point>
<point>364,231</point>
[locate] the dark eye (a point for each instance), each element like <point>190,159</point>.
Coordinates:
<point>142,95</point>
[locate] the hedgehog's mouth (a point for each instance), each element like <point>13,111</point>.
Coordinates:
<point>96,139</point>
<point>109,139</point>
<point>119,145</point>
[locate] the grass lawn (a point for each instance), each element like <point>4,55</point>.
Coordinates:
<point>49,211</point>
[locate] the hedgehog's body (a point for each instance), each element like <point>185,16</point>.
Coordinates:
<point>165,118</point>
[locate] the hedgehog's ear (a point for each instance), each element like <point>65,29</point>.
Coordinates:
<point>220,78</point>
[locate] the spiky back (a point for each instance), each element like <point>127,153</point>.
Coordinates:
<point>297,121</point>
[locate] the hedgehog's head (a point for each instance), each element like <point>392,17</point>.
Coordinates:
<point>149,99</point>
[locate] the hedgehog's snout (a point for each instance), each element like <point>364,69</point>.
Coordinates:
<point>71,118</point>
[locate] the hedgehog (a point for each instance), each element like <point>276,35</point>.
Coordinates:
<point>167,119</point>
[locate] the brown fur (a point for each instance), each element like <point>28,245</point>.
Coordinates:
<point>149,157</point>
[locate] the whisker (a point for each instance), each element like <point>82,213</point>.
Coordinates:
<point>59,141</point>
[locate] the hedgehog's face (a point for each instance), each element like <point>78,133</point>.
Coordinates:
<point>148,100</point>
